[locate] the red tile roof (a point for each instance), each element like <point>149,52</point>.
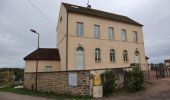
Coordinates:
<point>44,54</point>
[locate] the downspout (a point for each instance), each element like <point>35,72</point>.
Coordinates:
<point>67,45</point>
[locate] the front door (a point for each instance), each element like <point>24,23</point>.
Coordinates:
<point>80,58</point>
<point>137,59</point>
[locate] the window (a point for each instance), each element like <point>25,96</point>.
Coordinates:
<point>123,35</point>
<point>80,58</point>
<point>167,64</point>
<point>80,29</point>
<point>137,56</point>
<point>72,79</point>
<point>97,55</point>
<point>112,55</point>
<point>48,68</point>
<point>96,31</point>
<point>135,37</point>
<point>111,35</point>
<point>125,56</point>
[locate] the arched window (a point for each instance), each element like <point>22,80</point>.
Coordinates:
<point>137,56</point>
<point>112,55</point>
<point>97,55</point>
<point>125,56</point>
<point>80,58</point>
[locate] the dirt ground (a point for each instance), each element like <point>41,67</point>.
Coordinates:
<point>160,90</point>
<point>12,96</point>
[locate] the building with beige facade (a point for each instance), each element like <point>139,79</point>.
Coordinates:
<point>94,39</point>
<point>89,42</point>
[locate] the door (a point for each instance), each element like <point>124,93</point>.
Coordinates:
<point>80,58</point>
<point>137,59</point>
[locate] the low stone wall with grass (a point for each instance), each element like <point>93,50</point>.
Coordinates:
<point>64,82</point>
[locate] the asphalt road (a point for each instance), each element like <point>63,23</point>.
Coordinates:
<point>12,96</point>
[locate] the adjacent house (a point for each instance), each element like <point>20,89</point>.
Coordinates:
<point>167,67</point>
<point>48,60</point>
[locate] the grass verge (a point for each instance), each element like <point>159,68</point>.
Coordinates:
<point>43,94</point>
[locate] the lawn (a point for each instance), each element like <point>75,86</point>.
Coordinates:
<point>43,94</point>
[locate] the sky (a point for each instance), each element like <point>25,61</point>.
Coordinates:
<point>17,17</point>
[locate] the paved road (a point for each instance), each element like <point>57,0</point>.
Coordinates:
<point>12,96</point>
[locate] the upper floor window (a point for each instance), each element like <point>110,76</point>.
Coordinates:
<point>80,30</point>
<point>125,56</point>
<point>111,34</point>
<point>97,55</point>
<point>97,31</point>
<point>112,55</point>
<point>135,36</point>
<point>123,35</point>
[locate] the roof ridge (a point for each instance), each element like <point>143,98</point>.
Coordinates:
<point>99,13</point>
<point>94,9</point>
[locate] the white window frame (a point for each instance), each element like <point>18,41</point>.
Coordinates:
<point>123,35</point>
<point>111,33</point>
<point>97,55</point>
<point>135,36</point>
<point>97,31</point>
<point>80,29</point>
<point>112,55</point>
<point>80,58</point>
<point>125,55</point>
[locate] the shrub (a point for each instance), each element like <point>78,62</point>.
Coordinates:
<point>135,79</point>
<point>109,82</point>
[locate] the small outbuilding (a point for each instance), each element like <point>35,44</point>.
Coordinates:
<point>47,59</point>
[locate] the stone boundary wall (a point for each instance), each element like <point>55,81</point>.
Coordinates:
<point>57,82</point>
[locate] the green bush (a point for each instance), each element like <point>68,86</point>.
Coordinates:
<point>135,79</point>
<point>109,82</point>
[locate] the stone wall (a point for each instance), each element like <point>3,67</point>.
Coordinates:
<point>57,82</point>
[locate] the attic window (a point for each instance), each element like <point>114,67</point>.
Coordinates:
<point>74,6</point>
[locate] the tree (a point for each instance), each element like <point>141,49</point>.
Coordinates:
<point>109,82</point>
<point>135,79</point>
